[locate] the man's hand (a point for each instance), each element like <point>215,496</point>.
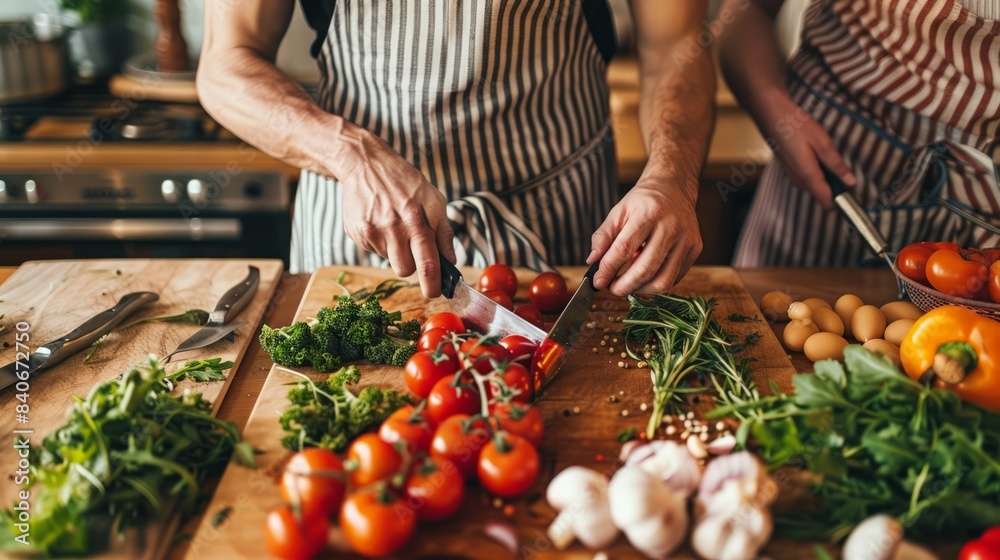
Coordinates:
<point>801,145</point>
<point>390,209</point>
<point>664,227</point>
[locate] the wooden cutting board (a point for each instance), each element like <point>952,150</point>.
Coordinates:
<point>54,297</point>
<point>587,381</point>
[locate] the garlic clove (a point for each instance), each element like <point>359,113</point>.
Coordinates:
<point>696,447</point>
<point>721,445</point>
<point>669,462</point>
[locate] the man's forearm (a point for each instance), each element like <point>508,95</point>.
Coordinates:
<point>256,101</point>
<point>676,113</point>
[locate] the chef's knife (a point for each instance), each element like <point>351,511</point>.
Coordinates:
<point>480,312</point>
<point>551,352</point>
<point>50,354</point>
<point>219,325</point>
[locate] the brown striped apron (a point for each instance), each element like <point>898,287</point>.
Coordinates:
<point>909,91</point>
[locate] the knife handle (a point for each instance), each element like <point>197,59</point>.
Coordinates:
<point>855,214</point>
<point>589,275</point>
<point>450,277</point>
<point>237,298</point>
<point>96,327</point>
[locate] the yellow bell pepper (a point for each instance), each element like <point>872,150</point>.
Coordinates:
<point>960,350</point>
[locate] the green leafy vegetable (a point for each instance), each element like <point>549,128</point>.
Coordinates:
<point>191,316</point>
<point>385,289</point>
<point>678,338</point>
<point>327,414</point>
<point>878,442</point>
<point>127,453</point>
<point>201,371</point>
<point>345,333</point>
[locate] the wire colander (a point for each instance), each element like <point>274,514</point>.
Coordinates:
<point>927,298</point>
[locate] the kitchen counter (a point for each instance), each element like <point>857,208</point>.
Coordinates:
<point>876,286</point>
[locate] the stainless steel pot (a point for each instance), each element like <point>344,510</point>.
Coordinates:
<point>34,63</point>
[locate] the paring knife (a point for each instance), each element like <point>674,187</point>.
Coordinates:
<point>481,312</point>
<point>50,354</point>
<point>218,326</point>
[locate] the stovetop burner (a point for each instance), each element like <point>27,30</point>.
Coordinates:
<point>154,125</point>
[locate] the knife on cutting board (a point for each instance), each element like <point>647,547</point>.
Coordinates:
<point>220,322</point>
<point>487,316</point>
<point>50,354</point>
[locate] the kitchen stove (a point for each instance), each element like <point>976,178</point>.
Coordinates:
<point>88,175</point>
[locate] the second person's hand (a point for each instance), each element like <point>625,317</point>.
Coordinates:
<point>390,209</point>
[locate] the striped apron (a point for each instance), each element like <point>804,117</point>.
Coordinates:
<point>909,91</point>
<point>502,104</point>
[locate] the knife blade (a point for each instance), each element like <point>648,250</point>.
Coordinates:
<point>551,352</point>
<point>50,354</point>
<point>229,306</point>
<point>480,312</point>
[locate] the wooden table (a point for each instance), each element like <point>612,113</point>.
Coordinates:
<point>876,286</point>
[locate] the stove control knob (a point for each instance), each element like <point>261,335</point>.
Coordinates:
<point>4,193</point>
<point>197,191</point>
<point>171,191</point>
<point>32,192</point>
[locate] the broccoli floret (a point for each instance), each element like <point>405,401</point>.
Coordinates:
<point>350,352</point>
<point>372,311</point>
<point>346,376</point>
<point>289,346</point>
<point>325,362</point>
<point>401,355</point>
<point>364,333</point>
<point>327,339</point>
<point>381,352</point>
<point>340,318</point>
<point>409,330</point>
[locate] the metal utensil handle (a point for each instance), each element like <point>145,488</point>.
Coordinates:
<point>450,277</point>
<point>96,327</point>
<point>854,212</point>
<point>237,298</point>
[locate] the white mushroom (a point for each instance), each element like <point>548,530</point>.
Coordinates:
<point>880,537</point>
<point>580,495</point>
<point>652,516</point>
<point>669,462</point>
<point>734,519</point>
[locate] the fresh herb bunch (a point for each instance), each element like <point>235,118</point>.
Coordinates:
<point>192,317</point>
<point>345,333</point>
<point>126,454</point>
<point>678,337</point>
<point>328,415</point>
<point>878,442</point>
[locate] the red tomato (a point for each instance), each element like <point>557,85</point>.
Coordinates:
<point>447,400</point>
<point>409,426</point>
<point>993,255</point>
<point>976,255</point>
<point>435,489</point>
<point>314,479</point>
<point>530,314</point>
<point>521,420</point>
<point>286,538</point>
<point>499,277</point>
<point>482,353</point>
<point>502,299</point>
<point>986,547</point>
<point>994,286</point>
<point>549,293</point>
<point>941,245</point>
<point>459,439</point>
<point>424,369</point>
<point>375,460</point>
<point>510,468</point>
<point>376,524</point>
<point>432,339</point>
<point>520,348</point>
<point>950,274</point>
<point>447,321</point>
<point>912,262</point>
<point>516,381</point>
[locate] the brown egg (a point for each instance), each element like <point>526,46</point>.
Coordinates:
<point>799,311</point>
<point>828,321</point>
<point>774,306</point>
<point>897,310</point>
<point>796,333</point>
<point>885,348</point>
<point>817,303</point>
<point>845,307</point>
<point>868,323</point>
<point>825,346</point>
<point>896,331</point>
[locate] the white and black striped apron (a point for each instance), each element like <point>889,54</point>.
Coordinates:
<point>502,104</point>
<point>909,91</point>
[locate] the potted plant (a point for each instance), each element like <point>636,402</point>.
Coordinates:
<point>103,39</point>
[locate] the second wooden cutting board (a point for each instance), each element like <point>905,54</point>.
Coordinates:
<point>608,398</point>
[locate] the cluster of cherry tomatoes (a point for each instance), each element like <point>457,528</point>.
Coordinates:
<point>474,421</point>
<point>548,292</point>
<point>966,273</point>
